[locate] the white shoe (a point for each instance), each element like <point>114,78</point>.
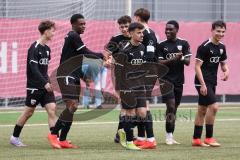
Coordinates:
<point>16,142</point>
<point>171,141</point>
<point>175,142</point>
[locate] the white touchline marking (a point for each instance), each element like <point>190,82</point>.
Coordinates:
<point>102,123</point>
<point>86,110</point>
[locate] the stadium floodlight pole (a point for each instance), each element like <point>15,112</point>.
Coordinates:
<point>224,9</point>
<point>5,8</point>
<point>128,9</point>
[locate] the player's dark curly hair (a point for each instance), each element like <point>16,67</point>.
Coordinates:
<point>219,23</point>
<point>124,19</point>
<point>135,25</point>
<point>75,17</point>
<point>175,23</point>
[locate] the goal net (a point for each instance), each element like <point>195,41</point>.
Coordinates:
<point>18,30</point>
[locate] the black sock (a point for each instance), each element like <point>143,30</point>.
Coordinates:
<point>65,130</point>
<point>170,126</point>
<point>17,130</point>
<point>209,130</point>
<point>135,121</point>
<point>65,116</point>
<point>197,131</point>
<point>120,124</point>
<point>51,130</point>
<point>128,127</point>
<point>149,125</point>
<point>170,116</point>
<point>141,127</point>
<point>58,126</point>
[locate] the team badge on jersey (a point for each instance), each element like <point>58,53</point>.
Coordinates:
<point>33,101</point>
<point>221,51</point>
<point>150,43</point>
<point>179,47</point>
<point>47,53</point>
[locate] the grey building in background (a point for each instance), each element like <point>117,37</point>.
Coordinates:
<point>161,10</point>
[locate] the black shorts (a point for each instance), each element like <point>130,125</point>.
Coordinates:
<point>36,96</point>
<point>210,98</point>
<point>69,87</point>
<point>176,94</point>
<point>133,99</point>
<point>149,87</point>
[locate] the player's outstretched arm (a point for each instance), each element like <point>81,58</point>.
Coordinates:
<point>87,51</point>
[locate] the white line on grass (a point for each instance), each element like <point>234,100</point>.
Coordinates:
<point>85,110</point>
<point>100,123</point>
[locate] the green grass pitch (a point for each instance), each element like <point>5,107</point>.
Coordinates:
<point>95,138</point>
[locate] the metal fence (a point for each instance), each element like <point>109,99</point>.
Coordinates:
<point>161,10</point>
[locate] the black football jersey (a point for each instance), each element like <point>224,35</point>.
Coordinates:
<point>210,54</point>
<point>127,62</point>
<point>150,43</point>
<point>37,65</point>
<point>113,45</point>
<point>167,50</point>
<point>74,46</point>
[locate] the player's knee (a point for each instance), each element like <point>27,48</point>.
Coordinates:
<point>214,109</point>
<point>28,114</point>
<point>130,112</point>
<point>123,112</point>
<point>170,106</point>
<point>202,112</point>
<point>51,107</point>
<point>170,117</point>
<point>73,109</point>
<point>72,106</point>
<point>142,113</point>
<point>51,113</point>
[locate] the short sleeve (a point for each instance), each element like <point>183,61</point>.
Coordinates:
<point>200,53</point>
<point>186,50</point>
<point>112,46</point>
<point>223,54</point>
<point>77,41</point>
<point>159,51</point>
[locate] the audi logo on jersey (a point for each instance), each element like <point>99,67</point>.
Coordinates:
<point>43,61</point>
<point>214,59</point>
<point>137,61</point>
<point>171,55</point>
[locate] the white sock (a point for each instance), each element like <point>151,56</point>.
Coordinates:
<point>141,138</point>
<point>169,135</point>
<point>151,139</point>
<point>129,142</point>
